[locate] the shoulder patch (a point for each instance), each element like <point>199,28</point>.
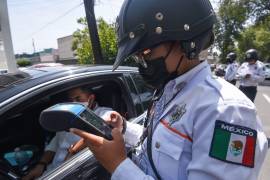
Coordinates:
<point>234,144</point>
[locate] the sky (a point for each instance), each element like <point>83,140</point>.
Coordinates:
<point>44,21</point>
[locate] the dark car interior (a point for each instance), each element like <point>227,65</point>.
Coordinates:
<point>20,129</point>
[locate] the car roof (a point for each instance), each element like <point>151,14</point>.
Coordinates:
<point>13,83</point>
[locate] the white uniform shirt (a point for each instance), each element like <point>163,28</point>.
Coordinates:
<point>255,70</point>
<point>231,71</point>
<point>62,141</point>
<point>189,131</point>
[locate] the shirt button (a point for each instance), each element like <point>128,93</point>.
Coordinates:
<point>157,145</point>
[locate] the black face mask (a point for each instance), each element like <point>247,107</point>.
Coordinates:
<point>156,73</point>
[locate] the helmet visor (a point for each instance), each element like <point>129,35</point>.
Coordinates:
<point>125,50</point>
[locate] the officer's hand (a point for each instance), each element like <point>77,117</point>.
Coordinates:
<point>115,120</point>
<point>247,76</point>
<point>34,173</point>
<point>109,153</point>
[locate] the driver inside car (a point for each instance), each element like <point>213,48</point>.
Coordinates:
<point>63,144</point>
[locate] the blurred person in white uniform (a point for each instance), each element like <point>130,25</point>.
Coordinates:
<point>199,127</point>
<point>232,67</point>
<point>251,73</point>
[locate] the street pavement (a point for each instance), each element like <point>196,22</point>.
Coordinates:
<point>262,103</point>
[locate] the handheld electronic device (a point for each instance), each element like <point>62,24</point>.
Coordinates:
<point>63,116</point>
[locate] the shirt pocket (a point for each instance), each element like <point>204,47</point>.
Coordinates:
<point>167,149</point>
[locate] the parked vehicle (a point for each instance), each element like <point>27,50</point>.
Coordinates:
<point>3,71</point>
<point>220,70</point>
<point>25,94</point>
<point>267,71</point>
<point>41,65</point>
<point>213,67</point>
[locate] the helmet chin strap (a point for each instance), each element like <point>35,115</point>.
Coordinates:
<point>174,74</point>
<point>179,63</point>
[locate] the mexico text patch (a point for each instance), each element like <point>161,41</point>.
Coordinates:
<point>234,144</point>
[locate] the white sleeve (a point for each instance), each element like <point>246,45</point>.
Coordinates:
<point>133,133</point>
<point>128,170</point>
<point>227,73</point>
<point>230,72</point>
<point>53,145</point>
<point>205,166</point>
<point>103,112</point>
<point>260,76</point>
<point>241,72</point>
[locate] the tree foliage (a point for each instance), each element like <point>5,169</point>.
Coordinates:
<point>23,62</point>
<point>257,37</point>
<point>231,17</point>
<point>259,10</point>
<point>83,48</point>
<point>242,25</point>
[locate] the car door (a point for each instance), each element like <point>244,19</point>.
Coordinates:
<point>19,115</point>
<point>83,165</point>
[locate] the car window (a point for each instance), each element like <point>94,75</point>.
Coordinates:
<point>134,95</point>
<point>20,121</point>
<point>145,92</point>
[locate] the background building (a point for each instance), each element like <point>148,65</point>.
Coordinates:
<point>66,54</point>
<point>49,56</point>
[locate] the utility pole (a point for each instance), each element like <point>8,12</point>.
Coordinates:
<point>34,46</point>
<point>92,26</point>
<point>5,36</point>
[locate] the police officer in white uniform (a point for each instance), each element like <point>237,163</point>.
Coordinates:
<point>231,70</point>
<point>251,73</point>
<point>199,127</point>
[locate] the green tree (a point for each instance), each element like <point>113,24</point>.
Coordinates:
<point>82,45</point>
<point>259,10</point>
<point>23,62</point>
<point>256,36</point>
<point>232,15</point>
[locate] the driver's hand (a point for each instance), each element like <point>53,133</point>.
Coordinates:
<point>109,153</point>
<point>75,148</point>
<point>115,120</point>
<point>34,173</point>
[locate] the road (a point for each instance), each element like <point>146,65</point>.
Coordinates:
<point>262,103</point>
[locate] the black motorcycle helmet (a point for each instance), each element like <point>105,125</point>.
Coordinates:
<point>231,57</point>
<point>251,54</point>
<point>144,24</point>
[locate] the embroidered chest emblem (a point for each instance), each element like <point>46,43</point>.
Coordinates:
<point>177,113</point>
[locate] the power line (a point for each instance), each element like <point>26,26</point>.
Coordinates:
<point>26,3</point>
<point>56,19</point>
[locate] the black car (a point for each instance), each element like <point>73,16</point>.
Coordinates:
<point>220,70</point>
<point>25,94</point>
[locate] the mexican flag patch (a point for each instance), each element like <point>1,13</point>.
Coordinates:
<point>234,144</point>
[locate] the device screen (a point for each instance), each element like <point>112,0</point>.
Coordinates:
<point>93,119</point>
